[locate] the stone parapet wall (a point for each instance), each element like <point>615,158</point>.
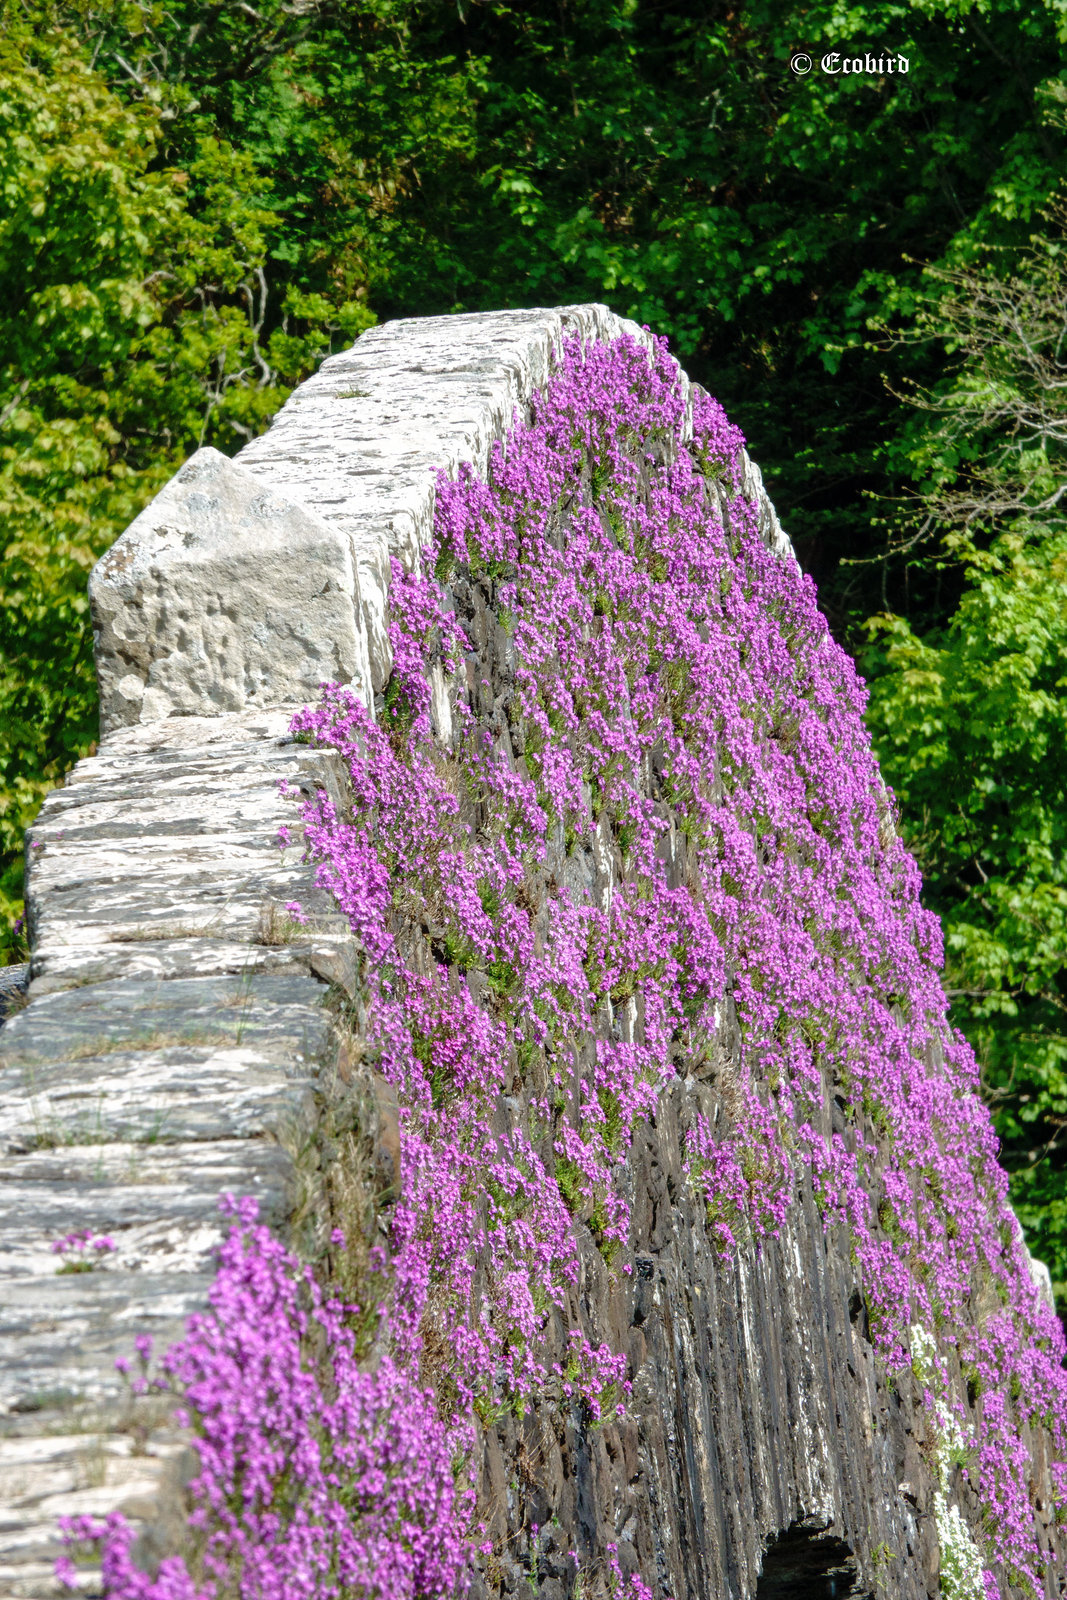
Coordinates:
<point>175,1044</point>
<point>180,1040</point>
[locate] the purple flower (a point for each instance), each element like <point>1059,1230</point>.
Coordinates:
<point>66,1572</point>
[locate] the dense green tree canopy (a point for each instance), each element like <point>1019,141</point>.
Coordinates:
<point>971,725</point>
<point>664,158</point>
<point>970,713</point>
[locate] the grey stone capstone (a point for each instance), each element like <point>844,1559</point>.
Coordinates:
<point>223,595</point>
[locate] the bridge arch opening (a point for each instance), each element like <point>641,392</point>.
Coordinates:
<point>804,1562</point>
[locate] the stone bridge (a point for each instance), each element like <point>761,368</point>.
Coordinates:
<point>173,1044</point>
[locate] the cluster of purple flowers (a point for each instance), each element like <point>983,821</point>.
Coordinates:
<point>318,1477</point>
<point>675,705</point>
<point>747,1177</point>
<point>596,1373</point>
<point>620,1588</point>
<point>82,1250</point>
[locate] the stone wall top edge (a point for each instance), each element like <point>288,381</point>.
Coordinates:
<point>191,622</point>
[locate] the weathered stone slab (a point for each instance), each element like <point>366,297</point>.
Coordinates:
<point>222,595</point>
<point>259,1011</point>
<point>60,1336</point>
<point>149,1198</point>
<point>180,1092</point>
<point>176,849</point>
<point>180,956</point>
<point>172,1050</point>
<point>44,1477</point>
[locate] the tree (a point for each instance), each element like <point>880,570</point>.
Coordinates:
<point>970,719</point>
<point>133,329</point>
<point>662,158</point>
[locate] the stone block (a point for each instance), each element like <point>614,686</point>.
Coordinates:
<point>223,595</point>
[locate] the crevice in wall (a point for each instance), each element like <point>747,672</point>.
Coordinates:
<point>808,1562</point>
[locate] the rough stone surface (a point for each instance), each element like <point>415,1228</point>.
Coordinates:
<point>765,1453</point>
<point>362,440</point>
<point>247,584</point>
<point>175,1047</point>
<point>757,1404</point>
<point>222,595</point>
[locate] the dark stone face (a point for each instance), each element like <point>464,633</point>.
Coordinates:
<point>805,1563</point>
